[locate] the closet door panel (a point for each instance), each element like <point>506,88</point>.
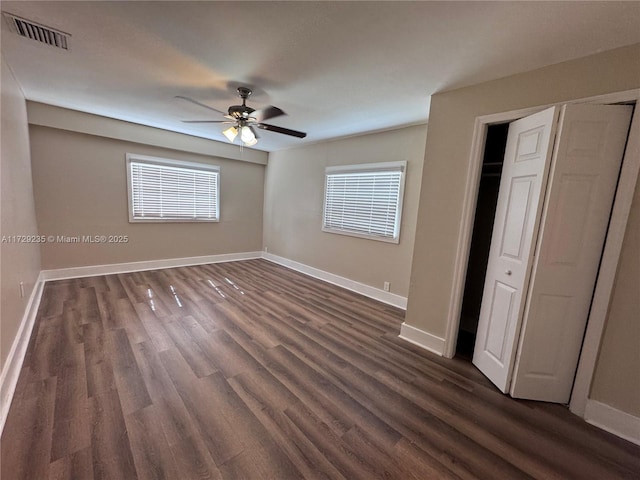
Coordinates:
<point>582,183</point>
<point>524,174</point>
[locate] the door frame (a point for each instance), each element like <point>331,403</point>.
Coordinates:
<point>612,248</point>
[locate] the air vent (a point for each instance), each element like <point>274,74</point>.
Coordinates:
<point>40,33</point>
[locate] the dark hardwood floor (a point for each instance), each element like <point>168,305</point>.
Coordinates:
<point>248,370</point>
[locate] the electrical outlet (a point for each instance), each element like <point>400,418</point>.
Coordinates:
<point>266,249</point>
<point>21,289</point>
<point>387,285</point>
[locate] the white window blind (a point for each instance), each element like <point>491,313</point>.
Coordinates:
<point>171,190</point>
<point>365,200</point>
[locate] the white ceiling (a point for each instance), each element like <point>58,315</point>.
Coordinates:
<point>336,68</point>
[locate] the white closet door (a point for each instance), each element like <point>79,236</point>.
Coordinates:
<point>524,176</point>
<point>582,183</point>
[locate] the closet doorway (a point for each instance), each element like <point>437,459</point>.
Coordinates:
<point>546,248</point>
<point>488,189</point>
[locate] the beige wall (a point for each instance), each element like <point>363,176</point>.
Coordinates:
<point>81,189</point>
<point>617,378</point>
<point>448,148</point>
<point>20,262</point>
<point>294,201</point>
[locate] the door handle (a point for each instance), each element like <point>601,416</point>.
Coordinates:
<point>508,272</point>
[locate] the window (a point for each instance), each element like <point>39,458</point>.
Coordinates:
<point>162,190</point>
<point>364,200</point>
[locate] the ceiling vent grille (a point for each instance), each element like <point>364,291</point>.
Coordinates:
<point>40,33</point>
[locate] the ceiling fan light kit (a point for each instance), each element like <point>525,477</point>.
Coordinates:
<point>247,136</point>
<point>244,119</point>
<point>231,133</point>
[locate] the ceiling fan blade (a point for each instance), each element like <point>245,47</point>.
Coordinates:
<point>200,104</point>
<point>266,113</point>
<point>253,130</point>
<point>207,121</point>
<point>286,131</point>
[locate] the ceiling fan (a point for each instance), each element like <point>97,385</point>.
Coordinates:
<point>244,120</point>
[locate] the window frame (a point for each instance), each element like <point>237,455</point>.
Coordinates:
<point>150,160</point>
<point>400,166</point>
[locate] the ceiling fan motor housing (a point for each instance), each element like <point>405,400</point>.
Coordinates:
<point>240,111</point>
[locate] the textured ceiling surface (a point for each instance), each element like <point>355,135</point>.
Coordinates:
<point>336,68</point>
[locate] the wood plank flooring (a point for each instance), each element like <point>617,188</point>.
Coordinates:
<point>248,370</point>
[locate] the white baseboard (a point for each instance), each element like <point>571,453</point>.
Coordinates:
<point>422,339</point>
<point>366,290</point>
<point>13,364</point>
<point>621,424</point>
<point>94,270</point>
